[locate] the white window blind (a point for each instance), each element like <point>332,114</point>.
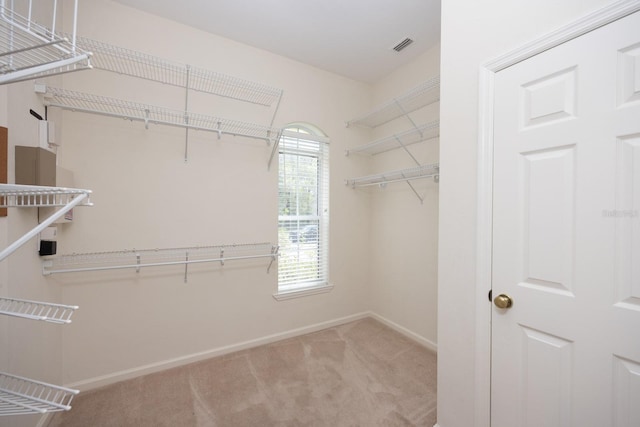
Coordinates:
<point>303,210</point>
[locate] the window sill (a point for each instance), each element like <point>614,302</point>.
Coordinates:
<point>302,292</point>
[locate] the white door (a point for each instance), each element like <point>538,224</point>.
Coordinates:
<point>566,235</point>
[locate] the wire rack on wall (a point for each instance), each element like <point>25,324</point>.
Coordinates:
<point>425,171</point>
<point>137,64</point>
<point>29,50</point>
<point>418,97</point>
<point>102,105</point>
<point>20,396</point>
<point>400,140</point>
<point>138,259</point>
<point>402,175</point>
<point>35,310</point>
<point>22,196</point>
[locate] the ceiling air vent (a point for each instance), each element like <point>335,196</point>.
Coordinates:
<point>404,43</point>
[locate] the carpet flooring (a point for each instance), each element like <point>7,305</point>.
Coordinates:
<point>358,374</point>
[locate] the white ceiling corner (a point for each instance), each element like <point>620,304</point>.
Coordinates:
<point>353,38</point>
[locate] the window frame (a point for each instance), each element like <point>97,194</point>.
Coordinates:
<point>309,135</point>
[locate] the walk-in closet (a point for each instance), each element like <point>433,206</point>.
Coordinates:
<point>198,230</point>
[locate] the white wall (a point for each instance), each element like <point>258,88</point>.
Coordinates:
<point>146,196</point>
<point>472,34</point>
<point>404,231</point>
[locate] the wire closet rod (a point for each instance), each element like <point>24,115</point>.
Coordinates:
<point>112,107</point>
<point>137,259</point>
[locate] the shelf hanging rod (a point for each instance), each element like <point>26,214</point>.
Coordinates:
<point>111,107</point>
<point>26,49</point>
<point>138,266</point>
<point>49,268</point>
<point>424,171</point>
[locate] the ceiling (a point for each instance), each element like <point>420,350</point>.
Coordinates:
<point>353,38</point>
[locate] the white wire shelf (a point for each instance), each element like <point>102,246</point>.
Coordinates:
<point>418,172</point>
<point>138,259</point>
<point>418,97</point>
<point>29,50</point>
<point>30,196</point>
<point>34,310</point>
<point>95,104</point>
<point>401,140</point>
<point>20,396</point>
<point>132,63</point>
<point>33,196</point>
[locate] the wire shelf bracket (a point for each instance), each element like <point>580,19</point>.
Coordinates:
<point>34,310</point>
<point>403,175</point>
<point>149,114</point>
<point>420,96</point>
<point>29,50</point>
<point>138,259</point>
<point>19,395</point>
<point>24,196</point>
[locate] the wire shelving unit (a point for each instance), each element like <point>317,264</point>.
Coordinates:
<point>20,396</point>
<point>29,50</point>
<point>33,196</point>
<point>35,310</point>
<point>137,64</point>
<point>151,114</point>
<point>400,140</point>
<point>144,66</point>
<point>402,175</point>
<point>418,97</point>
<point>138,259</point>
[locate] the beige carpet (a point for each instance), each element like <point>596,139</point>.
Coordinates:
<point>358,374</point>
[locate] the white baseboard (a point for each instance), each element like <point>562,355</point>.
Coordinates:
<point>115,377</point>
<point>406,332</point>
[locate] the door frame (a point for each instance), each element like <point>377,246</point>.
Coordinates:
<point>484,239</point>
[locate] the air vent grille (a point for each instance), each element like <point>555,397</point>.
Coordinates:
<point>404,43</point>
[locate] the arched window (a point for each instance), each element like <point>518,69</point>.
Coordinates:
<point>303,208</point>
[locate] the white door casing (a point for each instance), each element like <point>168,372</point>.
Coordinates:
<point>566,234</point>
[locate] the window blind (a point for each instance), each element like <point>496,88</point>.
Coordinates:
<point>303,210</point>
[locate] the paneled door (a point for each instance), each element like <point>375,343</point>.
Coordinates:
<point>566,235</point>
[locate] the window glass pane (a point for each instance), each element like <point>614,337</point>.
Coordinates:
<point>302,212</point>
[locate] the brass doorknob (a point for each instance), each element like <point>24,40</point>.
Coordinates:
<point>503,301</point>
